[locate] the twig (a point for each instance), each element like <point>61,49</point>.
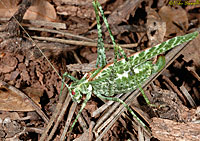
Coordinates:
<point>174,88</point>
<point>68,121</point>
<point>76,57</point>
<point>91,126</point>
<point>60,117</point>
<point>60,32</point>
<point>13,26</point>
<point>54,116</point>
<point>188,96</point>
<point>192,70</point>
<point>34,130</point>
<point>80,43</point>
<point>196,93</point>
<point>39,23</point>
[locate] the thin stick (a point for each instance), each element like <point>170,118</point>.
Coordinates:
<point>61,32</point>
<point>69,118</point>
<point>60,117</point>
<point>80,43</point>
<point>174,88</point>
<point>39,23</point>
<point>54,116</point>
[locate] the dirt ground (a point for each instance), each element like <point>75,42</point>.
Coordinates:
<point>41,40</point>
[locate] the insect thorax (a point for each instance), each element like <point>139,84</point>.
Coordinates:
<point>121,77</point>
<point>78,90</point>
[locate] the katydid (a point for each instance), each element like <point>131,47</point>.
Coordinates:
<point>125,74</point>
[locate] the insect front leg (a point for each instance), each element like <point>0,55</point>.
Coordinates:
<point>127,107</point>
<point>88,96</point>
<point>69,76</point>
<point>63,81</point>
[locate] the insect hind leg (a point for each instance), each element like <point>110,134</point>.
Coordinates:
<point>118,51</point>
<point>101,58</point>
<point>160,64</point>
<point>122,102</point>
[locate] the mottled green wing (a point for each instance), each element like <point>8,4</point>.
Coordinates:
<point>149,53</point>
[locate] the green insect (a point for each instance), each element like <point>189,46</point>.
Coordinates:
<point>124,75</point>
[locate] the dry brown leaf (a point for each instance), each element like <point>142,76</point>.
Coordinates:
<point>76,8</point>
<point>192,52</point>
<point>174,19</point>
<point>40,10</point>
<point>8,8</point>
<point>34,93</point>
<point>76,11</point>
<point>156,28</point>
<point>10,101</point>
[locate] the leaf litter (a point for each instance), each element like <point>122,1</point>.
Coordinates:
<point>23,67</point>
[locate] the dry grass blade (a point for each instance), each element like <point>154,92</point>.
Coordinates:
<point>54,116</point>
<point>61,32</point>
<point>101,124</point>
<point>60,117</point>
<point>188,96</point>
<point>39,23</point>
<point>68,121</point>
<point>80,43</point>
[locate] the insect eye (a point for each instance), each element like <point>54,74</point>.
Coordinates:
<point>73,93</point>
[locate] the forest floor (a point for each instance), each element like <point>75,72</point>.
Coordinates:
<point>63,34</point>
